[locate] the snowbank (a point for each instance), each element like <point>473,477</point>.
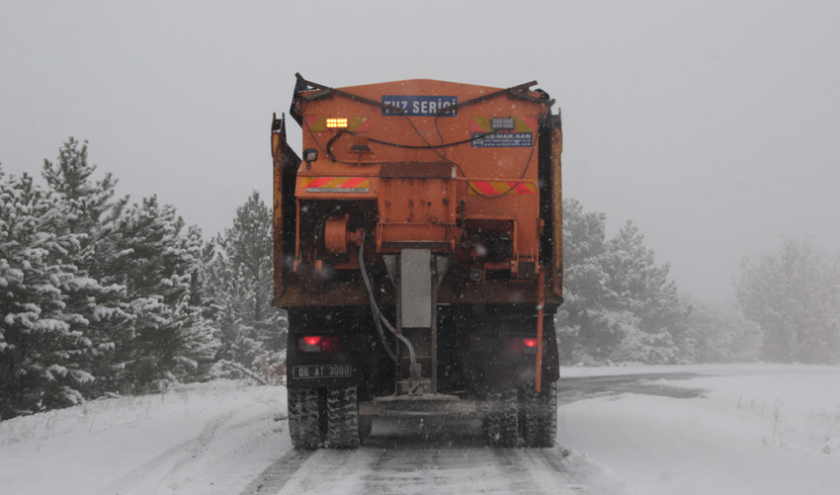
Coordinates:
<point>183,441</point>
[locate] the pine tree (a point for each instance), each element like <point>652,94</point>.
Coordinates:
<point>240,284</point>
<point>618,303</point>
<point>88,206</point>
<point>160,268</point>
<point>724,335</point>
<point>636,284</point>
<point>89,214</point>
<point>581,327</point>
<point>42,342</point>
<point>95,296</point>
<point>793,295</point>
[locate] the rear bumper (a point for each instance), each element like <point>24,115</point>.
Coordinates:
<point>419,406</point>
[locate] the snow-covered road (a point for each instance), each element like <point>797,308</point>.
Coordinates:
<point>412,457</point>
<point>755,429</point>
<point>224,438</point>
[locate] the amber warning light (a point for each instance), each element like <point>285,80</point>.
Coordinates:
<point>336,122</point>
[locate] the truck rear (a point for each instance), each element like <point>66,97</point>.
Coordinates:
<point>418,251</point>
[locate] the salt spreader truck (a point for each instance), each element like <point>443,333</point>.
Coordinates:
<point>418,252</point>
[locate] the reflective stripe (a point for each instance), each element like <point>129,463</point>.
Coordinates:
<point>498,187</point>
<point>336,184</point>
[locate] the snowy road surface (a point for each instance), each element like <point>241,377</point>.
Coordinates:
<point>754,429</point>
<point>446,459</point>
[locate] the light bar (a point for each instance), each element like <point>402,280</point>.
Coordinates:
<point>502,123</point>
<point>336,122</point>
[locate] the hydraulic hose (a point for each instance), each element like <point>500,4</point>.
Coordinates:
<point>377,315</point>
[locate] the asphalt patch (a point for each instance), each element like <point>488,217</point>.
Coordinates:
<point>571,390</point>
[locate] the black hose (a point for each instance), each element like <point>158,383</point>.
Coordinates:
<point>373,306</point>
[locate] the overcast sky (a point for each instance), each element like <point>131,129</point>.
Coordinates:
<point>713,125</point>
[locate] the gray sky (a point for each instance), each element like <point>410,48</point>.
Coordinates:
<point>713,125</point>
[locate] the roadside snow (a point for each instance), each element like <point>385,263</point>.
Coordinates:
<point>203,439</point>
<point>763,429</point>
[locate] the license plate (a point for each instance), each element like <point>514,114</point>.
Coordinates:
<point>322,371</point>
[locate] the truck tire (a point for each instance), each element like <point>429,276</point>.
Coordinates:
<point>342,418</point>
<point>540,415</point>
<point>501,422</point>
<point>304,426</point>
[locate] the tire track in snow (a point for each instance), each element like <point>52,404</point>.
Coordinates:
<point>328,472</point>
<point>408,458</point>
<point>278,474</point>
<point>216,443</point>
<point>149,468</point>
<point>536,472</point>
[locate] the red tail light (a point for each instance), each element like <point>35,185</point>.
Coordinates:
<point>521,345</point>
<point>318,343</point>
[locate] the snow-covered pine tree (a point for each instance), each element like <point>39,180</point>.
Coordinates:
<point>89,213</point>
<point>94,297</point>
<point>42,342</point>
<point>580,326</point>
<point>618,304</point>
<point>723,334</point>
<point>793,294</point>
<point>160,269</point>
<point>637,285</point>
<point>239,282</point>
<point>89,207</point>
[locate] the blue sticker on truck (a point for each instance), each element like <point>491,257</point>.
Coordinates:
<point>419,106</point>
<point>504,140</point>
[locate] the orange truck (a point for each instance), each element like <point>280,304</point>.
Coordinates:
<point>418,252</point>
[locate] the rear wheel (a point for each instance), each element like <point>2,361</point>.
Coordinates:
<point>342,418</point>
<point>540,413</point>
<point>501,421</point>
<point>304,427</point>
